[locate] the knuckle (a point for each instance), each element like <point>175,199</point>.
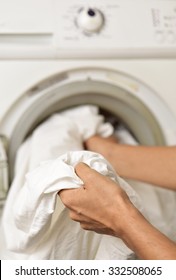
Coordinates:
<point>65,199</point>
<point>72,215</point>
<point>85,226</point>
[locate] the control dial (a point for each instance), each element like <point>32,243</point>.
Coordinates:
<point>90,20</point>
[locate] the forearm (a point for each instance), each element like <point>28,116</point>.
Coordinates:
<point>102,206</point>
<point>146,241</point>
<point>155,165</point>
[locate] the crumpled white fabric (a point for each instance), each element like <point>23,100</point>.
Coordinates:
<point>35,222</point>
<point>36,217</point>
<point>50,140</point>
<point>66,131</point>
<point>90,121</point>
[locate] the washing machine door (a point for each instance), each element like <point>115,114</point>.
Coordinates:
<point>4,175</point>
<point>128,99</point>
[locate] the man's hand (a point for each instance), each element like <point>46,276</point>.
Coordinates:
<point>97,203</point>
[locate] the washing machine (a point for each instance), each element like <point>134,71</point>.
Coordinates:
<point>118,55</point>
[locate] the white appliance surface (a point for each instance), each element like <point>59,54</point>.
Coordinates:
<point>18,76</point>
<point>68,29</point>
<point>59,35</point>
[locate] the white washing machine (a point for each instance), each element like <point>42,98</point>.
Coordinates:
<point>119,55</point>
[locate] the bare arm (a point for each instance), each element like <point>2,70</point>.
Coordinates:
<point>102,206</point>
<point>155,165</point>
<point>146,241</point>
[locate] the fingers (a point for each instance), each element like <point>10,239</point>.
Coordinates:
<point>78,217</point>
<point>89,176</point>
<point>84,172</point>
<point>67,196</point>
<point>111,139</point>
<point>97,143</point>
<point>87,223</point>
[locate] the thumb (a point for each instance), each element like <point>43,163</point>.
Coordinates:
<point>87,174</point>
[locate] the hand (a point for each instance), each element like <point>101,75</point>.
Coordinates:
<point>105,147</point>
<point>97,143</point>
<point>100,205</point>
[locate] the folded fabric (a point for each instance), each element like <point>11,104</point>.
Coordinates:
<point>40,224</point>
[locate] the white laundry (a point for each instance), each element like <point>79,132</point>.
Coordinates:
<point>66,131</point>
<point>89,122</point>
<point>63,238</point>
<point>35,222</point>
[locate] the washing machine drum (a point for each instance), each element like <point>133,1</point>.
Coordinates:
<point>126,98</point>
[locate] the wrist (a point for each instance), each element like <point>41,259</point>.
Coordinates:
<point>128,225</point>
<point>122,215</point>
<point>145,240</point>
<point>101,145</point>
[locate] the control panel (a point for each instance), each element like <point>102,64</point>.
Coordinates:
<point>89,28</point>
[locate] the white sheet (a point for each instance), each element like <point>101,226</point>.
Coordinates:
<point>35,222</point>
<point>59,234</point>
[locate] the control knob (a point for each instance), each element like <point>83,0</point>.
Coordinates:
<point>90,20</point>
